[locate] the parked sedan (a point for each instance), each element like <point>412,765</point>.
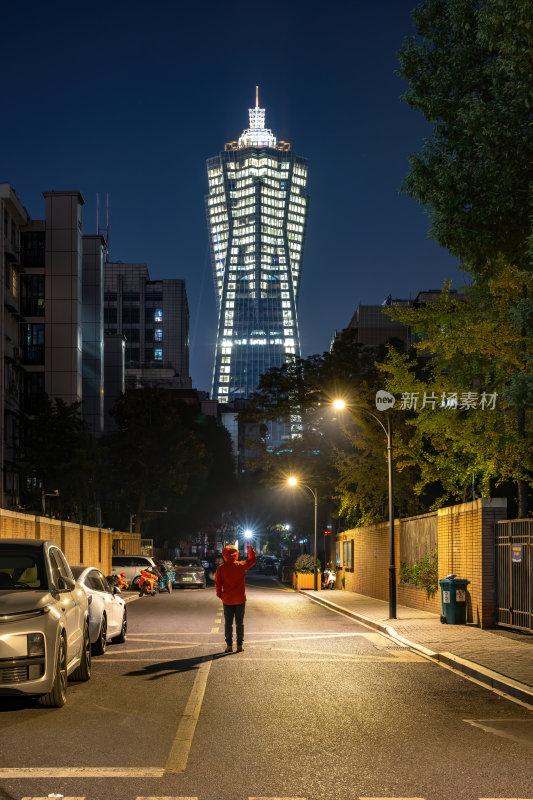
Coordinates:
<point>189,572</point>
<point>107,610</point>
<point>44,632</point>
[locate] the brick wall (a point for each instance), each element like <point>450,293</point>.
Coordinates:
<point>466,548</point>
<point>82,544</point>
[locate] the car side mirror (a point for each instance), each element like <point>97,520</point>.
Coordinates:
<point>66,584</point>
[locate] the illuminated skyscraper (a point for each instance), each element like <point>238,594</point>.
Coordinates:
<point>256,209</point>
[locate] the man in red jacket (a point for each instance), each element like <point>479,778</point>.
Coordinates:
<point>229,586</point>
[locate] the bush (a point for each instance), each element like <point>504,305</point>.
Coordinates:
<point>423,573</point>
<point>306,564</point>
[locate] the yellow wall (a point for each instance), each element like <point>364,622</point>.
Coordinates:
<point>466,548</point>
<point>81,544</point>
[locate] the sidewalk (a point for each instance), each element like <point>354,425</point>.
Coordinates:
<point>499,659</point>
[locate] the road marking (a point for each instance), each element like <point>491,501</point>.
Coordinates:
<point>179,752</point>
<point>82,772</point>
<point>165,797</point>
<point>51,795</point>
<point>276,798</point>
<point>153,649</point>
<point>214,630</point>
<point>485,725</point>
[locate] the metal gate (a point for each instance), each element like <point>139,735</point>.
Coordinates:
<point>514,573</point>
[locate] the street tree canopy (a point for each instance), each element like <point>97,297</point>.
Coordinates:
<point>469,72</point>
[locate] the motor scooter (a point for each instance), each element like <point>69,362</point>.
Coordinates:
<point>329,578</point>
<point>147,582</point>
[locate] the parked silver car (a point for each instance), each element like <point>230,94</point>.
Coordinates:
<point>189,571</point>
<point>107,610</point>
<point>44,622</point>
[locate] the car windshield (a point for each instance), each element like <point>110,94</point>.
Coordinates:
<point>22,570</point>
<point>186,562</point>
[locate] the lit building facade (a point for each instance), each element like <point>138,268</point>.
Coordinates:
<point>256,209</point>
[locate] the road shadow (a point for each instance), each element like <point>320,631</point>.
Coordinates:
<point>162,669</point>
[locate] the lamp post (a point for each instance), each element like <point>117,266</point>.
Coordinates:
<point>340,405</point>
<point>294,482</point>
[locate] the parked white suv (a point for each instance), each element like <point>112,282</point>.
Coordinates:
<point>44,622</point>
<point>131,566</point>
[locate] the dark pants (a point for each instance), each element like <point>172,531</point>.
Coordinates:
<point>231,612</point>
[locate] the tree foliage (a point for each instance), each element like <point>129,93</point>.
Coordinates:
<point>165,455</point>
<point>474,343</point>
<point>469,72</point>
<point>343,456</point>
<point>60,454</point>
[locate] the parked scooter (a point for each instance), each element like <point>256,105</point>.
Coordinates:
<point>147,582</point>
<point>329,577</point>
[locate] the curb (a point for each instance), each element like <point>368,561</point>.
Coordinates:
<point>487,677</point>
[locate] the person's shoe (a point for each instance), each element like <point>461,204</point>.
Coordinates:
<point>240,648</point>
<point>229,649</point>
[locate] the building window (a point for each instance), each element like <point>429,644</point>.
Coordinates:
<point>158,335</point>
<point>130,315</point>
<point>158,315</point>
<point>110,316</point>
<point>33,295</point>
<point>347,555</point>
<point>158,354</point>
<point>33,343</point>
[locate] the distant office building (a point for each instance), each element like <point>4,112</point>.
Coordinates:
<point>371,326</point>
<point>256,208</point>
<point>13,218</point>
<point>94,249</point>
<point>153,317</point>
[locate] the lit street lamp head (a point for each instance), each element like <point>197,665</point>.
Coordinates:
<point>339,404</point>
<point>248,534</point>
<point>292,481</point>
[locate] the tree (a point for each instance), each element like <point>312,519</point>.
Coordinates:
<point>469,72</point>
<point>60,455</point>
<point>475,343</point>
<point>345,460</point>
<point>155,458</point>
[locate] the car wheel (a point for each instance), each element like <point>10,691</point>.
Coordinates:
<point>101,643</point>
<point>57,695</point>
<point>123,631</point>
<point>135,582</point>
<point>83,672</point>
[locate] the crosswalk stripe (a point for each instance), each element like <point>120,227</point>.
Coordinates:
<point>14,773</point>
<point>276,798</point>
<point>166,797</point>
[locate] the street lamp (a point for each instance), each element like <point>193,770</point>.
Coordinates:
<point>292,481</point>
<point>340,405</point>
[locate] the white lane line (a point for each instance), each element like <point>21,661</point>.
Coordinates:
<point>153,649</point>
<point>179,752</point>
<point>214,630</point>
<point>276,798</point>
<point>164,797</point>
<point>391,798</point>
<point>82,772</point>
<point>51,795</point>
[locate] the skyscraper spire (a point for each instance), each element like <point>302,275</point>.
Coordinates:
<point>257,135</point>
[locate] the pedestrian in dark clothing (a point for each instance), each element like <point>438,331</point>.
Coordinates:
<point>230,587</point>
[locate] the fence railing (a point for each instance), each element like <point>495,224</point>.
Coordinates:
<point>514,574</point>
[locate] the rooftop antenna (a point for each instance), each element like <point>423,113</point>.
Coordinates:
<point>257,96</point>
<point>103,231</point>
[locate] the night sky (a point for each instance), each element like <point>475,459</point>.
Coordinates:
<point>132,98</point>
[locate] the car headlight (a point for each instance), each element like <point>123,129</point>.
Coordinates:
<point>35,644</point>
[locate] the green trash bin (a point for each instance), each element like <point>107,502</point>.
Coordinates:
<point>453,600</point>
